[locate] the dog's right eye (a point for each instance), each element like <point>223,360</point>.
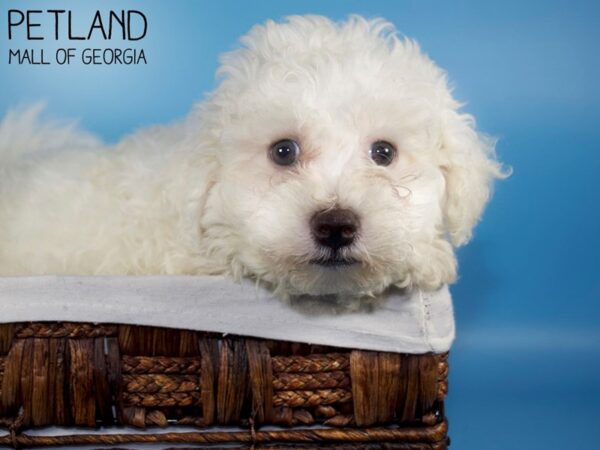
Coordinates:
<point>285,152</point>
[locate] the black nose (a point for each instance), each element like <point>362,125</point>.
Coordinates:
<point>334,228</point>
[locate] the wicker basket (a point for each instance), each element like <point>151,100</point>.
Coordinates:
<point>267,393</point>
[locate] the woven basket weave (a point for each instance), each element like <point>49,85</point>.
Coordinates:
<point>90,375</point>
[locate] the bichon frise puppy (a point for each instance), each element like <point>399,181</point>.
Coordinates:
<point>332,160</point>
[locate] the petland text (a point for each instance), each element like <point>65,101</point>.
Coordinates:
<point>62,25</point>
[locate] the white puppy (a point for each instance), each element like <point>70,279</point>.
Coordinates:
<point>332,160</point>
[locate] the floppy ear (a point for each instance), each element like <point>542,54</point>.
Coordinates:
<point>469,167</point>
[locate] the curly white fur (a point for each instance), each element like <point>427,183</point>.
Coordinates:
<point>202,196</point>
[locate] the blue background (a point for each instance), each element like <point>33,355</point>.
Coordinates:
<point>525,364</point>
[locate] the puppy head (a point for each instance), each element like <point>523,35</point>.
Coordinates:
<point>345,165</point>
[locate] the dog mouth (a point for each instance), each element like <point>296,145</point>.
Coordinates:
<point>334,262</point>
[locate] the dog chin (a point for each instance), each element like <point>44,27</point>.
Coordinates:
<point>331,279</point>
<point>333,290</point>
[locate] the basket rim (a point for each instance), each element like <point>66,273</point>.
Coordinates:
<point>414,322</point>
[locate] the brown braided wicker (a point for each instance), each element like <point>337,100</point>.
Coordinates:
<point>299,381</point>
<point>87,375</point>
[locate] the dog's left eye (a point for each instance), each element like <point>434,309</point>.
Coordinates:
<point>383,153</point>
<point>285,152</point>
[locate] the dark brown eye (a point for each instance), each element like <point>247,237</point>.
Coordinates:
<point>285,152</point>
<point>383,153</point>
